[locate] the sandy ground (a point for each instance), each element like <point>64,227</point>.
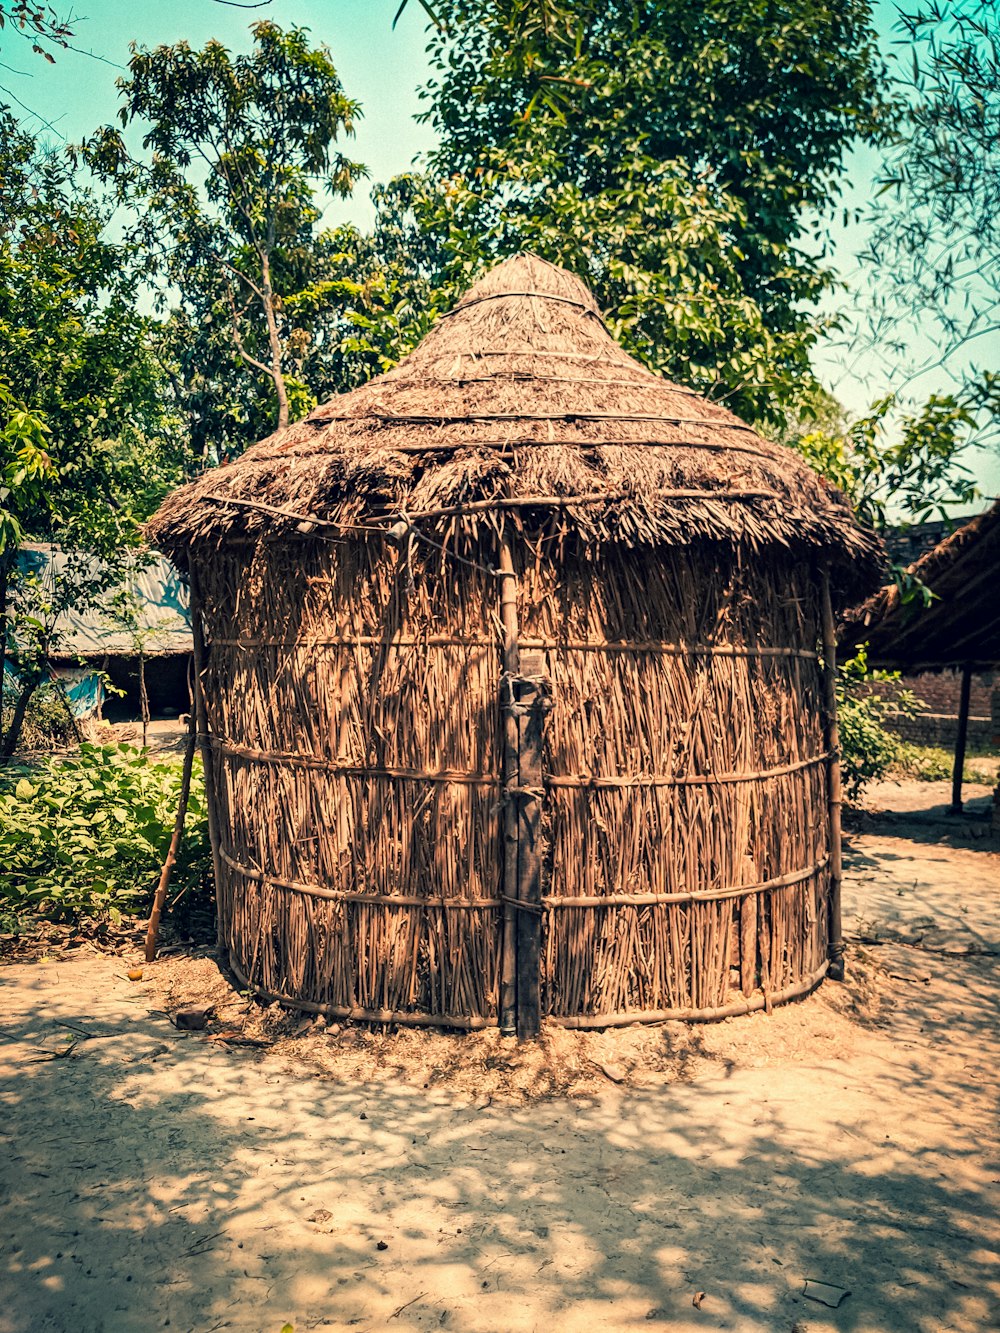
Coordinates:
<point>154,1178</point>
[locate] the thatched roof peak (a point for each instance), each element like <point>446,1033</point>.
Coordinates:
<point>519,406</point>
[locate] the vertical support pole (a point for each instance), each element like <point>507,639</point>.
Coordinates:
<point>201,722</point>
<point>960,739</point>
<point>532,705</point>
<point>510,666</point>
<point>835,949</point>
<point>160,896</point>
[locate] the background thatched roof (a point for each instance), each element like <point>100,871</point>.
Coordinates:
<point>961,624</point>
<point>521,394</point>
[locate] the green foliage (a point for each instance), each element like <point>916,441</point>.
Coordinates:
<point>81,391</point>
<point>868,748</point>
<point>46,723</point>
<point>669,153</point>
<point>25,468</point>
<point>86,836</point>
<point>933,254</point>
<point>933,763</point>
<point>917,469</point>
<point>237,148</point>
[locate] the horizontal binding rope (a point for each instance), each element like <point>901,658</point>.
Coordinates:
<point>645,380</point>
<point>565,645</point>
<point>761,1001</point>
<point>541,354</point>
<point>498,502</point>
<point>695,896</point>
<point>443,446</point>
<point>592,497</point>
<point>443,418</point>
<point>469,1022</point>
<point>351,770</point>
<point>474,1023</point>
<point>582,781</point>
<point>350,895</point>
<point>608,900</point>
<point>232,749</point>
<point>541,296</point>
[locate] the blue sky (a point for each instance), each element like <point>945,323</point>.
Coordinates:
<point>382,67</point>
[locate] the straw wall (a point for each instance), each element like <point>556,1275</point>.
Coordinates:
<point>357,757</point>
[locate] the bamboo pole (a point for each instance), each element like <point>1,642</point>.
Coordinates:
<point>532,705</point>
<point>207,758</point>
<point>508,622</point>
<point>961,738</point>
<point>835,948</point>
<point>153,929</point>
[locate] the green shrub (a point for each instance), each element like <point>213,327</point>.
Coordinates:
<point>933,763</point>
<point>868,748</point>
<point>47,724</point>
<point>87,835</point>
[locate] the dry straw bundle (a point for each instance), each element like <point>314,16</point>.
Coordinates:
<point>512,695</point>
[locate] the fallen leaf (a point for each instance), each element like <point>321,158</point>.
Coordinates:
<point>697,1299</point>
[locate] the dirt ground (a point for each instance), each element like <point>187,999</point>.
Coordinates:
<point>831,1166</point>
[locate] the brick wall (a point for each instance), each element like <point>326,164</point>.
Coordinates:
<point>937,722</point>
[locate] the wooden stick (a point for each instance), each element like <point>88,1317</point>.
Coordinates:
<point>591,497</point>
<point>508,622</point>
<point>835,948</point>
<point>709,1014</point>
<point>153,929</point>
<point>960,739</point>
<point>207,758</point>
<point>532,701</point>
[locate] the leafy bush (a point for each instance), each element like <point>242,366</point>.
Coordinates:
<point>933,763</point>
<point>86,836</point>
<point>46,723</point>
<point>868,749</point>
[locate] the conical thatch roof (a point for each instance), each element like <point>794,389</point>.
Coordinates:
<point>520,402</point>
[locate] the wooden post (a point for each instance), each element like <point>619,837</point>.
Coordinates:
<point>960,739</point>
<point>153,929</point>
<point>835,949</point>
<point>532,704</point>
<point>508,622</point>
<point>201,722</point>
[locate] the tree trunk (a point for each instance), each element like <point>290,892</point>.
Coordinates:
<point>272,333</point>
<point>6,570</point>
<point>143,700</point>
<point>10,740</point>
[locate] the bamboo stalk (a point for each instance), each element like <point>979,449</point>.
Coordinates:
<point>201,722</point>
<point>709,1014</point>
<point>159,897</point>
<point>835,947</point>
<point>509,662</point>
<point>531,705</point>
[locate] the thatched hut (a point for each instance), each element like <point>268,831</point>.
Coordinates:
<point>513,699</point>
<point>959,629</point>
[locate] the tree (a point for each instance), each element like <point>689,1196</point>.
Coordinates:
<point>933,256</point>
<point>237,147</point>
<point>908,462</point>
<point>675,155</point>
<point>86,449</point>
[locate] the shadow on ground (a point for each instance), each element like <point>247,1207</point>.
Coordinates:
<point>153,1180</point>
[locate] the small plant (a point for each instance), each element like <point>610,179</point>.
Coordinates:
<point>933,763</point>
<point>86,836</point>
<point>47,721</point>
<point>868,748</point>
